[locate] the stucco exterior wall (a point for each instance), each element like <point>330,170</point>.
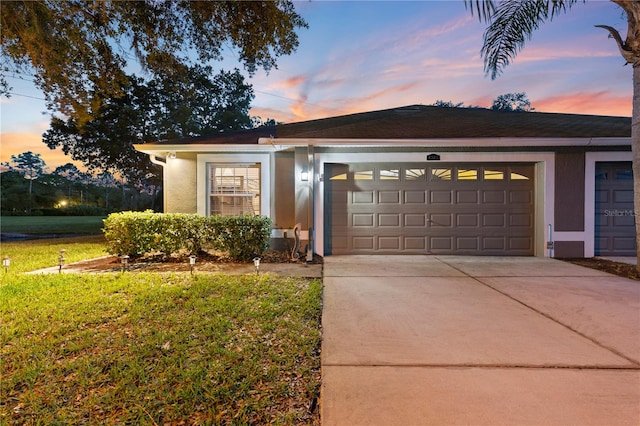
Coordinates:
<point>283,208</point>
<point>180,183</point>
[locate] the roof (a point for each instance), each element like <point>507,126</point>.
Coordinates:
<point>431,122</point>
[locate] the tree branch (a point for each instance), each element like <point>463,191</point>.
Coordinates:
<point>626,53</point>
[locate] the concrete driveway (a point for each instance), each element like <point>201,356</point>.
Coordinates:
<point>416,340</point>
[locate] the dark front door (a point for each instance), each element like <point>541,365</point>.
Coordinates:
<point>615,232</point>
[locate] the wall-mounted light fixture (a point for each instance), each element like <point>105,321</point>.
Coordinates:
<point>304,175</point>
<point>171,154</point>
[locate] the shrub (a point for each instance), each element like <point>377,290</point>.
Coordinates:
<point>139,233</point>
<point>243,237</point>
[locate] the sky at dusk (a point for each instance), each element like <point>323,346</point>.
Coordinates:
<point>361,56</point>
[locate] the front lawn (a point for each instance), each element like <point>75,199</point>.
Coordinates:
<point>159,349</point>
<point>51,225</point>
<point>29,255</point>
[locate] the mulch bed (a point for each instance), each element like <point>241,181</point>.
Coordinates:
<point>616,268</point>
<point>205,262</point>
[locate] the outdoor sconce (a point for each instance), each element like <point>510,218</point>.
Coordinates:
<point>192,262</point>
<point>125,261</point>
<point>171,154</point>
<point>256,263</point>
<point>6,261</point>
<point>304,175</point>
<point>61,260</point>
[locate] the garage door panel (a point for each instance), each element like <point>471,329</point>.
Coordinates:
<point>414,197</point>
<point>467,197</point>
<point>362,220</point>
<point>467,220</point>
<point>441,197</point>
<point>441,244</point>
<point>415,220</point>
<point>438,220</point>
<point>520,243</point>
<point>520,197</point>
<point>494,197</point>
<point>623,196</point>
<point>363,243</point>
<point>389,197</point>
<point>389,243</point>
<point>362,197</point>
<point>467,243</point>
<point>494,243</point>
<point>494,220</point>
<point>443,209</point>
<point>415,243</point>
<point>520,220</point>
<point>623,221</point>
<point>389,220</point>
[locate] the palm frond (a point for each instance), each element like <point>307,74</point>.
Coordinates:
<point>511,25</point>
<point>484,8</point>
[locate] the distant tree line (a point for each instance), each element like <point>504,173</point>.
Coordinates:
<point>517,102</point>
<point>27,188</point>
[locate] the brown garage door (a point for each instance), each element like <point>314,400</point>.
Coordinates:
<point>615,227</point>
<point>429,208</point>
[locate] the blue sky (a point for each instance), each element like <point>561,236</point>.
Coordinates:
<point>366,55</point>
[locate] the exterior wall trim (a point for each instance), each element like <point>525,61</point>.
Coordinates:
<point>545,183</point>
<point>265,177</point>
<point>591,158</point>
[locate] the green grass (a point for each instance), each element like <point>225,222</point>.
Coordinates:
<point>29,255</point>
<point>51,225</point>
<point>159,349</point>
<point>154,349</point>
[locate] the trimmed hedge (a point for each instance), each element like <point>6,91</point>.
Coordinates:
<point>139,233</point>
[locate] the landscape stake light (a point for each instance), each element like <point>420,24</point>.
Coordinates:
<point>61,260</point>
<point>192,262</point>
<point>125,261</point>
<point>256,262</point>
<point>6,261</point>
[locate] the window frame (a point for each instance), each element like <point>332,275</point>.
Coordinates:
<point>226,160</point>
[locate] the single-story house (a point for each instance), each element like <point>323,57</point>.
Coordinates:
<point>419,180</point>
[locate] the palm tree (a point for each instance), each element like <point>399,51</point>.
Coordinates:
<point>511,22</point>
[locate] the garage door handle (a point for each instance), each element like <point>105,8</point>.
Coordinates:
<point>429,220</point>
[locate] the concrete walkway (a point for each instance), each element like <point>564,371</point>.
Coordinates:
<point>450,340</point>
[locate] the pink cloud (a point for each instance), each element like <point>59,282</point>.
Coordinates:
<point>597,103</point>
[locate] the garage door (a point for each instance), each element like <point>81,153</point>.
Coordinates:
<point>615,226</point>
<point>429,209</point>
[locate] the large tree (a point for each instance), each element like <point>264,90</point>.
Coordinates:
<point>512,22</point>
<point>197,103</point>
<point>31,166</point>
<point>78,50</point>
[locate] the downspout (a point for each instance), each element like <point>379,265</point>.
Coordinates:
<point>163,164</point>
<point>312,209</point>
<point>155,160</point>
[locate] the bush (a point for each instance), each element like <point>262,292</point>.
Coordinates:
<point>139,233</point>
<point>243,237</point>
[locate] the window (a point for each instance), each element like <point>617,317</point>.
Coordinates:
<point>440,174</point>
<point>414,174</point>
<point>363,175</point>
<point>234,189</point>
<point>467,174</point>
<point>389,174</point>
<point>493,174</point>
